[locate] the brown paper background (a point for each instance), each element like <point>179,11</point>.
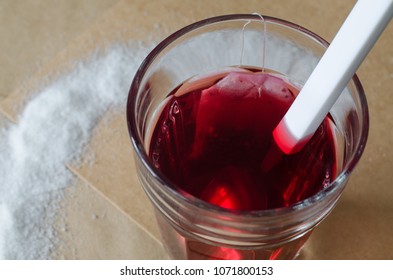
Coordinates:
<point>107,213</point>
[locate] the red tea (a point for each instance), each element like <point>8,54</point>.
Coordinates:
<point>213,140</point>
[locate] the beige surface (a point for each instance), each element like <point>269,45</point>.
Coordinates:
<point>33,31</point>
<point>359,228</point>
<point>95,229</point>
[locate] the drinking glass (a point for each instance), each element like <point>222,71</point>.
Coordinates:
<point>192,228</point>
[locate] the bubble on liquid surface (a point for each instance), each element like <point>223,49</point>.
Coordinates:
<point>327,180</point>
<point>174,108</point>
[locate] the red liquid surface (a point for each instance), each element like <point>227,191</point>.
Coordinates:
<point>215,142</point>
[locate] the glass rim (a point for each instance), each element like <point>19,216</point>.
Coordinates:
<point>170,188</point>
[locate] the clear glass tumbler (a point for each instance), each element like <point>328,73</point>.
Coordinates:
<point>192,228</point>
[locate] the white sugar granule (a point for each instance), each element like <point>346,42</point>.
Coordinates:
<point>52,131</point>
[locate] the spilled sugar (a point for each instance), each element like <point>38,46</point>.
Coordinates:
<point>52,131</point>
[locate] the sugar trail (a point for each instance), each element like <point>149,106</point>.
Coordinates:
<point>52,131</point>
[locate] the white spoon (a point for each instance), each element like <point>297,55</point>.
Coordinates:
<point>348,49</point>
